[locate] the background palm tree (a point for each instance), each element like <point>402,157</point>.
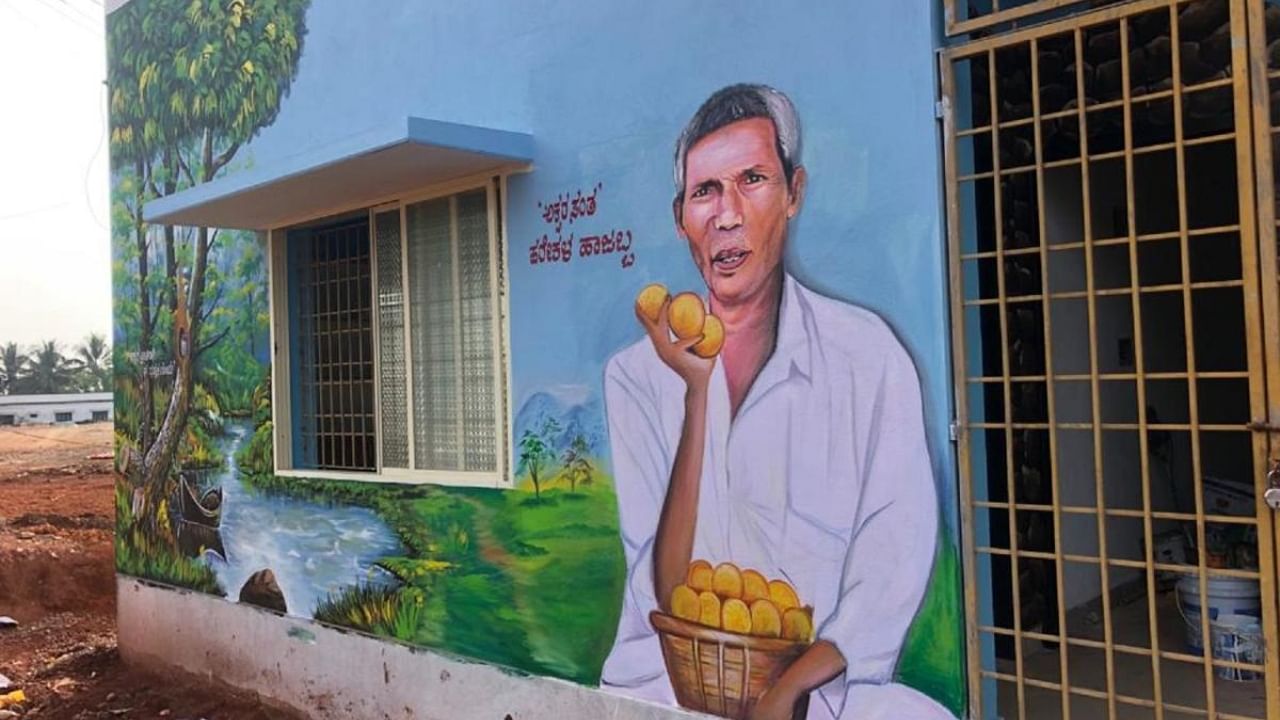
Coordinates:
<point>94,358</point>
<point>12,363</point>
<point>48,371</point>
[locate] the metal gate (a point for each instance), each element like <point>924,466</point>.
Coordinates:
<point>1112,233</point>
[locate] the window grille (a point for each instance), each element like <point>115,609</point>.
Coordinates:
<point>333,373</point>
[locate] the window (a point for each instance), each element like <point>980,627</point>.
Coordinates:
<point>394,335</point>
<point>7,420</point>
<point>100,416</point>
<point>62,417</point>
<point>332,356</point>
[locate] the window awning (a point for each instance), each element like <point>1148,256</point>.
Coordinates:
<point>359,170</point>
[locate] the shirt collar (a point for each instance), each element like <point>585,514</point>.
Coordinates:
<point>792,352</point>
<point>794,349</point>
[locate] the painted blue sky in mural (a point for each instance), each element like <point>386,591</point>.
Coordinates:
<point>600,117</point>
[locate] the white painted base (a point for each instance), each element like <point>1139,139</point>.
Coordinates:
<point>330,674</point>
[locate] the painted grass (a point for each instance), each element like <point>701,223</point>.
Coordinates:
<point>567,563</point>
<point>933,654</point>
<point>391,612</point>
<point>152,560</point>
<point>536,584</point>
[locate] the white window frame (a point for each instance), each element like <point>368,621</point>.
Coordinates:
<point>495,186</point>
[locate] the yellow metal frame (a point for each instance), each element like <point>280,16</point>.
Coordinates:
<point>1259,284</point>
<point>957,25</point>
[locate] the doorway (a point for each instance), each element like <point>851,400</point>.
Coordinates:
<point>1104,186</point>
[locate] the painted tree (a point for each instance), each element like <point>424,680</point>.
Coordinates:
<point>536,452</point>
<point>12,363</point>
<point>577,462</point>
<point>144,131</point>
<point>191,83</point>
<point>236,279</point>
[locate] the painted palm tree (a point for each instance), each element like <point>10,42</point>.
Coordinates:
<point>94,357</point>
<point>12,364</point>
<point>49,371</point>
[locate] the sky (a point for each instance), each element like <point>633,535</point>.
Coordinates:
<point>55,269</point>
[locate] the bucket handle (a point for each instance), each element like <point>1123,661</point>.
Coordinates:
<point>1177,601</point>
<point>1213,622</point>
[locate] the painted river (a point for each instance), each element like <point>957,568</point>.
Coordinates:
<point>313,549</point>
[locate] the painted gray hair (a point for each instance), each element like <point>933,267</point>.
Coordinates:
<point>742,102</point>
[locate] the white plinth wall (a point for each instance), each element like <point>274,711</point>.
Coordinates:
<point>331,674</point>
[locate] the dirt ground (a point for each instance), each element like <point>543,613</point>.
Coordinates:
<point>57,581</point>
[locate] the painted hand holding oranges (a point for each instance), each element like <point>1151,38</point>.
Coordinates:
<point>686,315</point>
<point>741,601</point>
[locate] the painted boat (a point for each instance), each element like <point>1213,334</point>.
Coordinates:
<point>204,509</point>
<point>194,539</point>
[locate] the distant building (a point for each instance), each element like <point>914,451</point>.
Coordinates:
<point>55,409</point>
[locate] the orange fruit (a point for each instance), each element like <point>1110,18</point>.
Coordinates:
<point>699,575</point>
<point>766,621</point>
<point>737,616</point>
<point>754,586</point>
<point>783,595</point>
<point>686,314</point>
<point>709,609</point>
<point>796,625</point>
<point>685,604</point>
<point>712,338</point>
<point>649,301</point>
<point>727,581</point>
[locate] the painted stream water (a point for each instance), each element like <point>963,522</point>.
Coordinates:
<point>313,549</point>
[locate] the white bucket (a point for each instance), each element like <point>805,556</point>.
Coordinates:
<point>1227,596</point>
<point>1237,638</point>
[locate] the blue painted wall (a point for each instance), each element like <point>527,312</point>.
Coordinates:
<point>606,107</point>
<point>605,89</point>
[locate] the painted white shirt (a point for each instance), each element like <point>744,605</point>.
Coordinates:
<point>823,479</point>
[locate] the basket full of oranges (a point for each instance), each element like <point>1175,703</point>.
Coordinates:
<point>729,636</point>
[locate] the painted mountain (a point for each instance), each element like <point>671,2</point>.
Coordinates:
<point>575,410</point>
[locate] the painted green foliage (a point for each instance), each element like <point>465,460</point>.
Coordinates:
<point>530,582</point>
<point>483,574</point>
<point>189,84</point>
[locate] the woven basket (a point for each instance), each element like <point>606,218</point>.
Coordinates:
<point>723,673</point>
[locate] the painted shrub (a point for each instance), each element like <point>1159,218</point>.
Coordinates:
<point>823,461</point>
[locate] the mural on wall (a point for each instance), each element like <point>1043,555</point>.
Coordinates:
<point>529,578</point>
<point>770,432</point>
<point>190,84</point>
<point>761,481</point>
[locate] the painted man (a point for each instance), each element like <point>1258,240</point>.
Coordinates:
<point>799,451</point>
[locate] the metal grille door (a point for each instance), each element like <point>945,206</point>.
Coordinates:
<point>1110,373</point>
<point>965,16</point>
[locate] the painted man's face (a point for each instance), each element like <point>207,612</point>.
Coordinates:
<point>736,207</point>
